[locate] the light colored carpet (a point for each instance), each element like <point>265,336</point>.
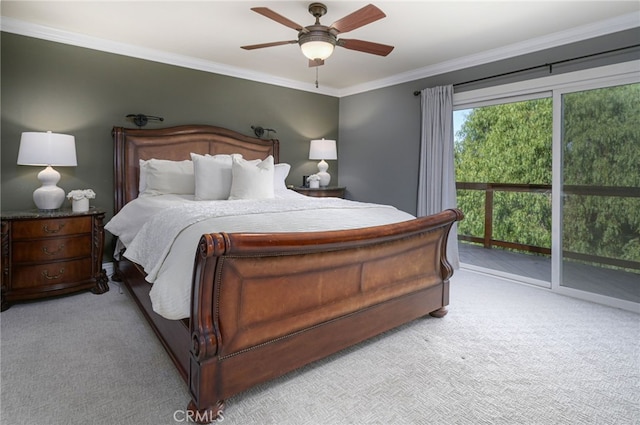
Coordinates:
<point>505,354</point>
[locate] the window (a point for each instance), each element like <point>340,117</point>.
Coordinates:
<point>503,171</point>
<point>568,145</point>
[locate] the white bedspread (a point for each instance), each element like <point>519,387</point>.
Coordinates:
<point>162,234</point>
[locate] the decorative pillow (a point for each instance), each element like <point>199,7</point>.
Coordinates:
<point>164,176</point>
<point>281,171</point>
<point>212,176</point>
<point>251,181</point>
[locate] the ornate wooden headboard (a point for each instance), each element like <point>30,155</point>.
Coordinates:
<point>177,143</point>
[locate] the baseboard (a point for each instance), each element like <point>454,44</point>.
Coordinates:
<point>505,275</point>
<point>108,267</point>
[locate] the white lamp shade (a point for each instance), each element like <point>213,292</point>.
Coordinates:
<point>317,49</point>
<point>323,149</point>
<point>37,148</point>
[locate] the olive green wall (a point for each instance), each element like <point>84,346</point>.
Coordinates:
<point>83,92</point>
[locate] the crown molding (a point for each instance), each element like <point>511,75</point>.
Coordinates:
<point>597,29</point>
<point>609,26</point>
<point>28,29</point>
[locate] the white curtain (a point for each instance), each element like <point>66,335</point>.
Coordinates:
<point>437,184</point>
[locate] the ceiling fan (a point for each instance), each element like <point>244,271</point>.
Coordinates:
<point>317,41</point>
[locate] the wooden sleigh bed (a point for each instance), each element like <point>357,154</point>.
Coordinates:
<point>386,276</point>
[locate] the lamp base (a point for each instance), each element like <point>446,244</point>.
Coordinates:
<point>325,178</point>
<point>48,196</point>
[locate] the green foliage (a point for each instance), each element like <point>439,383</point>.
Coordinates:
<point>522,217</point>
<point>509,143</point>
<point>601,147</point>
<point>601,135</point>
<point>512,143</point>
<point>471,202</point>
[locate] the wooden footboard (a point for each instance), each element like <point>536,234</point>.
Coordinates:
<point>265,304</point>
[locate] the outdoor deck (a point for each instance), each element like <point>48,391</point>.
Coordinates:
<point>537,269</point>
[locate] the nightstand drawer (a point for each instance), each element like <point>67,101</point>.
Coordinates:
<point>52,249</point>
<point>50,227</point>
<point>52,273</point>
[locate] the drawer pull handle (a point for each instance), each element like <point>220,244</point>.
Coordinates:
<point>47,230</point>
<point>45,273</point>
<point>56,252</point>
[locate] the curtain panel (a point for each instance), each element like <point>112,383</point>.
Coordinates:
<point>437,182</point>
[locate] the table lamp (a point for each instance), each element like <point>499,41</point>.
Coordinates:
<point>323,149</point>
<point>47,149</point>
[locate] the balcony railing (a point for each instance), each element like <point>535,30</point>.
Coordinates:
<point>488,241</point>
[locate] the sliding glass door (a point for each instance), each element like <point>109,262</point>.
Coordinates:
<point>576,231</point>
<point>600,191</point>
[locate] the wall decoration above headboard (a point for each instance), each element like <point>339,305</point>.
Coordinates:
<point>141,119</point>
<point>259,131</point>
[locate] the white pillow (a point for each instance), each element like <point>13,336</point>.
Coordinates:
<point>212,176</point>
<point>281,171</point>
<point>142,180</point>
<point>251,181</point>
<point>165,176</point>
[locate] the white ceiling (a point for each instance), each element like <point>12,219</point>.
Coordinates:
<point>430,37</point>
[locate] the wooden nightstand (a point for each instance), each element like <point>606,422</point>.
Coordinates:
<point>51,253</point>
<point>334,191</point>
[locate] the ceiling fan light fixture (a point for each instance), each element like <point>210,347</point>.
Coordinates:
<point>317,49</point>
<point>317,45</point>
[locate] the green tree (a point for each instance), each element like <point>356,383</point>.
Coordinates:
<point>601,147</point>
<point>512,143</point>
<point>508,143</point>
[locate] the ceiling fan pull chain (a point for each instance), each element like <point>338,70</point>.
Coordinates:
<point>316,77</point>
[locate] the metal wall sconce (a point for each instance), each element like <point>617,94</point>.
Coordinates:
<point>259,131</point>
<point>141,119</point>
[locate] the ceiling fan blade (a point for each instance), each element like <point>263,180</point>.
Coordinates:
<point>265,11</point>
<point>274,43</point>
<point>357,19</point>
<point>365,46</point>
<point>315,62</point>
